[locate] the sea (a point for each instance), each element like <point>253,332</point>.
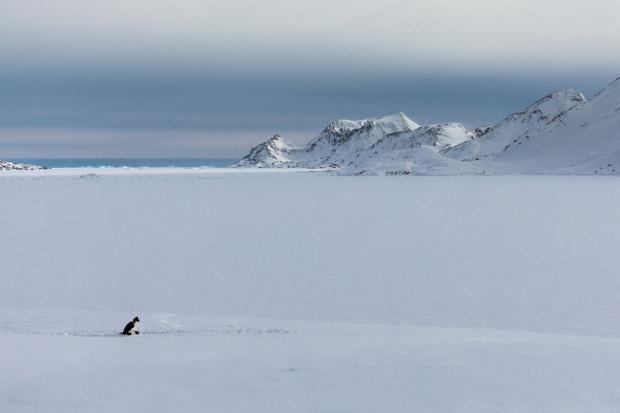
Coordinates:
<point>129,162</point>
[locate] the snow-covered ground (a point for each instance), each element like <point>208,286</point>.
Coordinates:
<point>286,291</point>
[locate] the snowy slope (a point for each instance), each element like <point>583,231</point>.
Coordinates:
<point>440,137</point>
<point>493,139</point>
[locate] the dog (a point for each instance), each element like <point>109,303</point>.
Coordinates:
<point>130,328</point>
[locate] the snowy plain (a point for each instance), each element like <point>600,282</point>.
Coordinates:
<point>299,291</point>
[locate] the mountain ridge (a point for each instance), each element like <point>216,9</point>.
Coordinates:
<point>560,133</point>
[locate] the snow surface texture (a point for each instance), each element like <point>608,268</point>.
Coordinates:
<point>272,291</point>
<point>561,133</point>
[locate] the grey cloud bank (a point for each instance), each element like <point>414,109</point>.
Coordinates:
<point>212,78</point>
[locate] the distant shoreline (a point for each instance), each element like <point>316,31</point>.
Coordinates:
<point>126,162</point>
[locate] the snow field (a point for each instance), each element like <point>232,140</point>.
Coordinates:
<point>308,292</point>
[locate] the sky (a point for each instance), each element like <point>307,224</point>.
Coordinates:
<point>189,78</point>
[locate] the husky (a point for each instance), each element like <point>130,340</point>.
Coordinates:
<point>130,328</point>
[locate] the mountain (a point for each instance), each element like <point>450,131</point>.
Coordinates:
<point>358,146</point>
<point>343,139</point>
<point>413,152</point>
<point>561,133</point>
<point>271,153</point>
<point>491,140</point>
<point>334,146</point>
<point>582,140</point>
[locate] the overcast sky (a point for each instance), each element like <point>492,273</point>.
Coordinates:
<point>209,78</point>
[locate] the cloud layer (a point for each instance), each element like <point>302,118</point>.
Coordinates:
<point>228,73</point>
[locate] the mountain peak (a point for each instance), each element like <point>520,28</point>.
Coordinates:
<point>548,107</point>
<point>272,152</point>
<point>566,95</point>
<point>398,122</point>
<point>399,119</point>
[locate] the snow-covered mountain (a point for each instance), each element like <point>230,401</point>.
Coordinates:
<point>273,152</point>
<point>392,144</point>
<point>494,138</point>
<point>411,152</point>
<point>336,145</point>
<point>10,166</point>
<point>342,140</point>
<point>560,133</point>
<point>582,140</point>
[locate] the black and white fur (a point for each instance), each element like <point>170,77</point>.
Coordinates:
<point>131,327</point>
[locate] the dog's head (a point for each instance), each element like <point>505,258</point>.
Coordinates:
<point>136,319</point>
